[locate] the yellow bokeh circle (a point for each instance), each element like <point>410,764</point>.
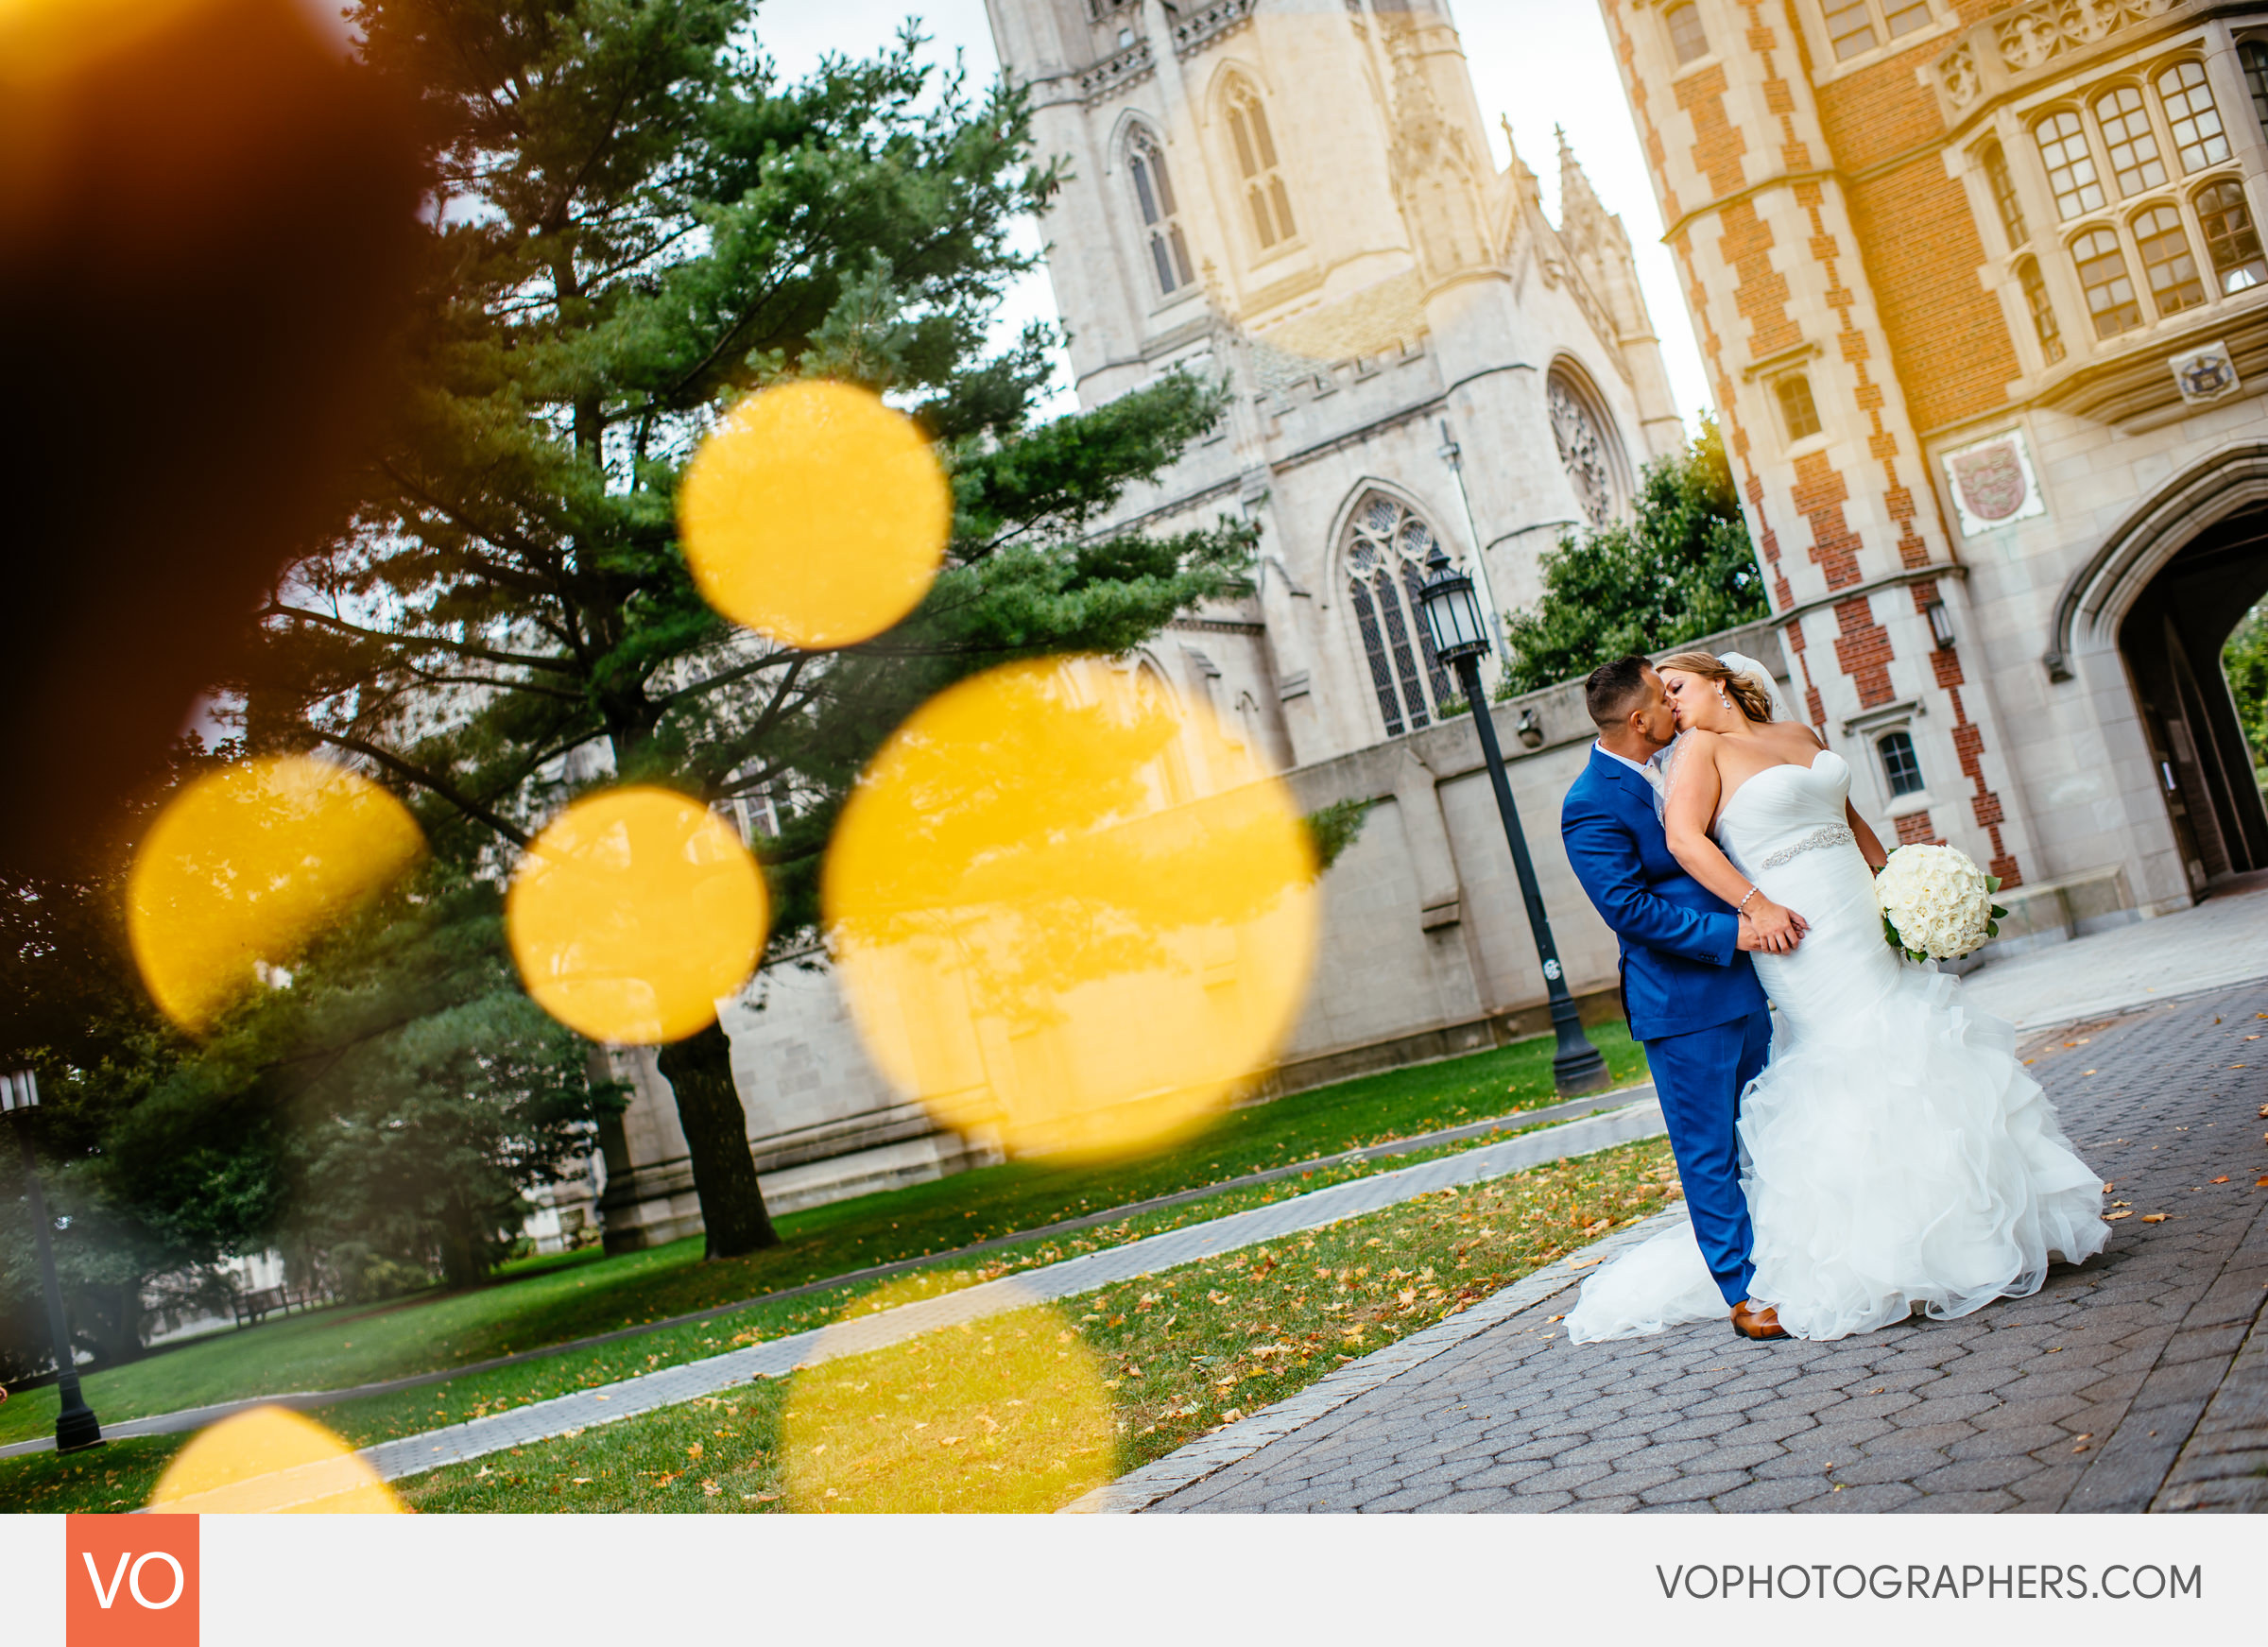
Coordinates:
<point>1006,1413</point>
<point>245,866</point>
<point>816,515</point>
<point>632,913</point>
<point>269,1461</point>
<point>1068,911</point>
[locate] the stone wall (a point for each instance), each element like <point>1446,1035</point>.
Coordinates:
<point>1424,953</point>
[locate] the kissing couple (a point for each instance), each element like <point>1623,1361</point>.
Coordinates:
<point>1876,1151</point>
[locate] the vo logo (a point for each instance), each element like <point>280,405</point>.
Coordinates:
<point>131,1581</point>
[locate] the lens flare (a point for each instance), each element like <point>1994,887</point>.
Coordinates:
<point>814,515</point>
<point>245,866</point>
<point>632,913</point>
<point>42,39</point>
<point>270,1461</point>
<point>1005,1415</point>
<point>1068,911</point>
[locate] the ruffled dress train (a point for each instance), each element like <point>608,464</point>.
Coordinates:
<point>1895,1153</point>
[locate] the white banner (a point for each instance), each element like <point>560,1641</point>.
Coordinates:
<point>347,1581</point>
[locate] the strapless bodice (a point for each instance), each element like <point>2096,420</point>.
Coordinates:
<point>1785,810</point>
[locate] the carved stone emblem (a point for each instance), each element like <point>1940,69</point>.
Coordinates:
<point>2205,374</point>
<point>1957,69</point>
<point>1992,482</point>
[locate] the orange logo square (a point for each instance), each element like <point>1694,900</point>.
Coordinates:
<point>131,1581</point>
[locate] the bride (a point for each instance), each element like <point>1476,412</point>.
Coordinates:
<point>1894,1153</point>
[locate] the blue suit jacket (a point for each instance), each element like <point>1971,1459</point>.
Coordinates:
<point>1682,969</point>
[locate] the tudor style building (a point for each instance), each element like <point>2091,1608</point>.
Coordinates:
<point>1981,291</point>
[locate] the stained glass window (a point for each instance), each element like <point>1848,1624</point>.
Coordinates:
<point>1387,544</point>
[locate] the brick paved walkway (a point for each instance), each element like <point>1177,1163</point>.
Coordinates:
<point>2138,1380</point>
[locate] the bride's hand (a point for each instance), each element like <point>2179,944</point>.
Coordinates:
<point>1778,928</point>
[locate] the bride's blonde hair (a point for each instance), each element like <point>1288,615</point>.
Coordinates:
<point>1752,698</point>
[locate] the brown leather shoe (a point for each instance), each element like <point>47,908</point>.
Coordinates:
<point>1757,1321</point>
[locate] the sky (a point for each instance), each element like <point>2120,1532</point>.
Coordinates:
<point>1541,63</point>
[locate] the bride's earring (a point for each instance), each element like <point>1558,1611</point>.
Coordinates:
<point>1721,697</point>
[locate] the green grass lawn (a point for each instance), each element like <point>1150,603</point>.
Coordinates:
<point>1181,1352</point>
<point>554,1300</point>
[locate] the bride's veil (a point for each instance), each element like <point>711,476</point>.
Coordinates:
<point>1745,668</point>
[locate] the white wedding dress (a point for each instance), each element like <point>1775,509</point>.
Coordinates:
<point>1894,1152</point>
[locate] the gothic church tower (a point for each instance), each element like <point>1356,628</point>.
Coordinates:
<point>1299,193</point>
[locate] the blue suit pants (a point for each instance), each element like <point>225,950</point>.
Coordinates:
<point>1699,1078</point>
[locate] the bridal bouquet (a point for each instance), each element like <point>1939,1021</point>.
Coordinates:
<point>1936,904</point>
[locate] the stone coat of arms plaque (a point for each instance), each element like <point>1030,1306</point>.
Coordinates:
<point>1992,482</point>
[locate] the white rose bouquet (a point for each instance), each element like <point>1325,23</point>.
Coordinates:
<point>1936,904</point>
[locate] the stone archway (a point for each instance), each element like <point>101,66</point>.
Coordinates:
<point>2165,592</point>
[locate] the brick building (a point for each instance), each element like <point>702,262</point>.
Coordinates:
<point>1981,290</point>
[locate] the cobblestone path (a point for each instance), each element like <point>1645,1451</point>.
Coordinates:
<point>2137,1381</point>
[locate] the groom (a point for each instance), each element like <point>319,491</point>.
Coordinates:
<point>1688,987</point>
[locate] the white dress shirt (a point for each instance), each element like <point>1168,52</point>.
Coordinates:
<point>1647,770</point>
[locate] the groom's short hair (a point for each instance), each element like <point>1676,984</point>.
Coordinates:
<point>1613,691</point>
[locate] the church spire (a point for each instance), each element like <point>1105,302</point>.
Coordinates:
<point>1581,215</point>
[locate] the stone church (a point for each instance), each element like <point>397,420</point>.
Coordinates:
<point>1298,197</point>
<point>1981,293</point>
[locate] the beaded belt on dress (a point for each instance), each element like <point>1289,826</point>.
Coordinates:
<point>1832,835</point>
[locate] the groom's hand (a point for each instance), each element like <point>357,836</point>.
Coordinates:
<point>1770,927</point>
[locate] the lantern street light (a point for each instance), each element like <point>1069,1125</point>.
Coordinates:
<point>74,1425</point>
<point>1460,635</point>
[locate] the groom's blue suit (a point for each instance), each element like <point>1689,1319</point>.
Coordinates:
<point>1690,993</point>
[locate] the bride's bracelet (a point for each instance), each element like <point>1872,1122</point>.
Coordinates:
<point>1742,907</point>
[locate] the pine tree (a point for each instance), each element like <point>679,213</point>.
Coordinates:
<point>632,222</point>
<point>1681,567</point>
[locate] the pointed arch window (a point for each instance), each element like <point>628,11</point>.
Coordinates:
<point>1266,200</point>
<point>1384,555</point>
<point>1589,450</point>
<point>1160,214</point>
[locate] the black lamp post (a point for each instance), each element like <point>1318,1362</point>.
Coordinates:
<point>74,1425</point>
<point>1460,634</point>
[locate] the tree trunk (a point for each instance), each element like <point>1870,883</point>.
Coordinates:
<point>699,1072</point>
<point>463,1261</point>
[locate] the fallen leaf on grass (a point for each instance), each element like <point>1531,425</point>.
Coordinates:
<point>694,1452</point>
<point>760,1497</point>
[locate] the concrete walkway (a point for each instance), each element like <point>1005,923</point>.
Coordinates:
<point>2137,1381</point>
<point>2210,945</point>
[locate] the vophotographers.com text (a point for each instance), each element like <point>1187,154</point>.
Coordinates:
<point>1888,1581</point>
